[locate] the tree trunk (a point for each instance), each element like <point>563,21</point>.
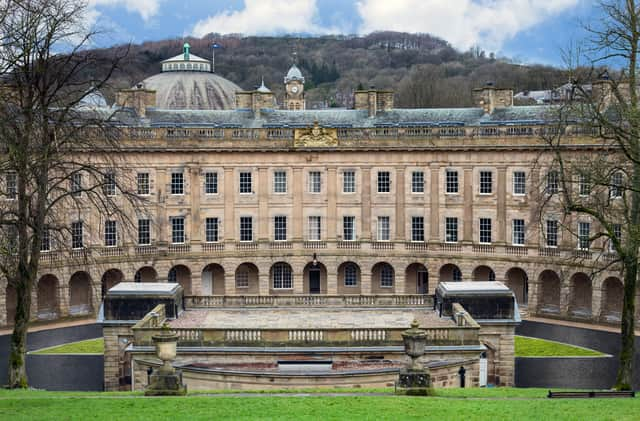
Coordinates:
<point>624,379</point>
<point>18,349</point>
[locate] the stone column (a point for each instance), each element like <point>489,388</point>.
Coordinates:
<point>400,281</point>
<point>400,210</point>
<point>163,222</point>
<point>298,283</point>
<point>297,233</point>
<point>331,204</point>
<point>196,283</point>
<point>365,279</point>
<point>502,205</point>
<point>229,207</point>
<point>332,283</point>
<point>229,283</point>
<point>263,283</point>
<point>365,196</point>
<point>263,204</point>
<point>434,199</point>
<point>195,189</point>
<point>63,299</point>
<point>596,299</point>
<point>467,235</point>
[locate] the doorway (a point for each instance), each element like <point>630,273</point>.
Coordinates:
<point>314,281</point>
<point>422,282</point>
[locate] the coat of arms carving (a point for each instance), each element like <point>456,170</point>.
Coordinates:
<point>316,136</point>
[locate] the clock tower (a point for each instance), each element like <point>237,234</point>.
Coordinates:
<point>294,84</point>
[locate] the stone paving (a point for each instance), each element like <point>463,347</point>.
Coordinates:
<point>309,318</point>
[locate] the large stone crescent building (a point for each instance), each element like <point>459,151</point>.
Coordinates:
<point>250,199</point>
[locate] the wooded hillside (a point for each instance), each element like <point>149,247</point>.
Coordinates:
<point>423,70</point>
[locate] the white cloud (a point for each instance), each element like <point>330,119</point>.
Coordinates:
<point>464,23</point>
<point>145,8</point>
<point>264,17</point>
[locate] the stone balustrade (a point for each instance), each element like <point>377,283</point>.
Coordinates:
<point>217,301</point>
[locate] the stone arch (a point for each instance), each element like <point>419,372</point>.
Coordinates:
<point>612,297</point>
<point>347,271</point>
<point>80,293</point>
<point>580,295</point>
<point>213,280</point>
<point>416,279</point>
<point>313,270</point>
<point>383,278</point>
<point>182,275</point>
<point>110,278</point>
<point>483,273</point>
<point>48,297</point>
<point>549,295</point>
<point>146,274</point>
<point>11,297</point>
<point>246,279</point>
<point>281,278</point>
<point>450,273</point>
<point>518,281</point>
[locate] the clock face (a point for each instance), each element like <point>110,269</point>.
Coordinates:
<point>294,89</point>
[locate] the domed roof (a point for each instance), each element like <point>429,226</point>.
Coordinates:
<point>93,99</point>
<point>192,91</point>
<point>294,74</point>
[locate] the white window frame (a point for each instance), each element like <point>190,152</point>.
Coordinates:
<point>483,233</point>
<point>282,276</point>
<point>584,185</point>
<point>314,227</point>
<point>384,228</point>
<point>211,183</point>
<point>417,229</point>
<point>280,182</point>
<point>177,183</point>
<point>486,182</point>
<point>145,224</point>
<point>553,182</point>
<point>519,183</point>
<point>350,275</point>
<point>386,276</point>
<point>280,228</point>
<point>178,230</point>
<point>246,227</point>
<point>77,235</point>
<point>45,243</point>
<point>110,233</point>
<point>383,182</point>
<point>617,232</point>
<point>76,184</point>
<point>584,235</point>
<point>451,182</point>
<point>617,180</point>
<point>518,232</point>
<point>245,182</point>
<point>109,186</point>
<point>211,229</point>
<point>242,279</point>
<point>349,228</point>
<point>451,229</point>
<point>348,181</point>
<point>417,182</point>
<point>551,233</point>
<point>143,183</point>
<point>315,182</point>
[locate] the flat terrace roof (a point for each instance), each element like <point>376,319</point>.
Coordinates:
<point>308,318</point>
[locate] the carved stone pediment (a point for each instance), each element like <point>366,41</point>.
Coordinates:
<point>316,136</point>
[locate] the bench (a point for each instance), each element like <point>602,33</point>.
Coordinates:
<point>593,394</point>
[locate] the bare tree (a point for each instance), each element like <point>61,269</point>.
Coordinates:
<point>58,151</point>
<point>597,179</point>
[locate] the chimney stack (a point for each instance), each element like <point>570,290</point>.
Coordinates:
<point>137,98</point>
<point>489,97</point>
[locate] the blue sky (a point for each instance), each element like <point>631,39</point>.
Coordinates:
<point>528,30</point>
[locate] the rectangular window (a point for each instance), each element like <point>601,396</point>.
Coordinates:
<point>177,230</point>
<point>615,190</point>
<point>76,235</point>
<point>11,179</point>
<point>177,183</point>
<point>245,183</point>
<point>314,228</point>
<point>76,184</point>
<point>518,232</point>
<point>384,182</point>
<point>451,230</point>
<point>45,244</point>
<point>349,181</point>
<point>552,233</point>
<point>552,182</point>
<point>485,230</point>
<point>280,228</point>
<point>519,183</point>
<point>242,279</point>
<point>349,228</point>
<point>584,235</point>
<point>617,233</point>
<point>383,228</point>
<point>386,277</point>
<point>144,187</point>
<point>584,185</point>
<point>144,232</point>
<point>451,181</point>
<point>282,277</point>
<point>486,182</point>
<point>110,233</point>
<point>211,183</point>
<point>350,275</point>
<point>315,183</point>
<point>280,182</point>
<point>211,230</point>
<point>417,228</point>
<point>246,228</point>
<point>109,184</point>
<point>417,182</point>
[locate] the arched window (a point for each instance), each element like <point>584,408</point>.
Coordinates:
<point>350,275</point>
<point>173,276</point>
<point>457,275</point>
<point>282,278</point>
<point>386,276</point>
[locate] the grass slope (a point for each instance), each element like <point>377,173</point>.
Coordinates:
<point>469,404</point>
<point>90,346</point>
<point>533,347</point>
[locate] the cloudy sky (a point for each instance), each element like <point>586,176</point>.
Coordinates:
<point>528,30</point>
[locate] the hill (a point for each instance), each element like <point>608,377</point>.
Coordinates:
<point>425,71</point>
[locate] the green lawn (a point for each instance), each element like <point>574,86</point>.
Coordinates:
<point>454,404</point>
<point>90,346</point>
<point>533,347</point>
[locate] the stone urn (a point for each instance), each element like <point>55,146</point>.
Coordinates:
<point>166,380</point>
<point>415,339</point>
